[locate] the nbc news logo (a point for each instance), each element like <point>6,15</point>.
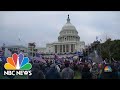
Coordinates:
<point>17,65</point>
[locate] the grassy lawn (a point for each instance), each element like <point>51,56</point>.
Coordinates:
<point>16,77</point>
<point>3,77</point>
<point>20,77</point>
<point>77,75</point>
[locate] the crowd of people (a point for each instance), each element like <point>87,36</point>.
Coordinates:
<point>66,70</point>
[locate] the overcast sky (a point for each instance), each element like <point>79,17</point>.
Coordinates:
<point>44,26</point>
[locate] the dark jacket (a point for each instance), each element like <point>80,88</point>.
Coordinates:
<point>52,73</point>
<point>37,74</point>
<point>67,73</point>
<point>86,73</point>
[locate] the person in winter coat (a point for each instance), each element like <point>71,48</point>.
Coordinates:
<point>86,72</point>
<point>37,73</point>
<point>53,73</point>
<point>95,71</point>
<point>58,68</point>
<point>67,72</point>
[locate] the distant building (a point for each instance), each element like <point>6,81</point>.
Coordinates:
<point>68,41</point>
<point>41,50</point>
<point>32,49</point>
<point>17,49</point>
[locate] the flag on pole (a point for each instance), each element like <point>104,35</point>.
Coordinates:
<point>19,37</point>
<point>39,57</point>
<point>57,59</point>
<point>96,37</point>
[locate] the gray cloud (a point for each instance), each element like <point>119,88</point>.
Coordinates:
<point>43,27</point>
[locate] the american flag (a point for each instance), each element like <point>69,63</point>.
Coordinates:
<point>56,57</point>
<point>38,54</point>
<point>39,57</point>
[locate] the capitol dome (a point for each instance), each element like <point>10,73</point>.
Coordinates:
<point>68,26</point>
<point>68,32</point>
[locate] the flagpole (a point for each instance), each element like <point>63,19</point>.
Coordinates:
<point>19,44</point>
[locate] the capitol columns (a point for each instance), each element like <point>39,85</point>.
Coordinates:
<point>69,47</point>
<point>65,48</point>
<point>59,48</point>
<point>76,48</point>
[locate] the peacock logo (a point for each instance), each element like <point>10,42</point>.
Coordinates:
<point>107,69</point>
<point>17,62</point>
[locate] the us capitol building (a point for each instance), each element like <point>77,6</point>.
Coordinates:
<point>68,41</point>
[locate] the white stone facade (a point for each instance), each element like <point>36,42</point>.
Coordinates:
<point>42,49</point>
<point>68,41</point>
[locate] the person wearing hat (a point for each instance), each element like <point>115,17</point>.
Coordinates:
<point>67,72</point>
